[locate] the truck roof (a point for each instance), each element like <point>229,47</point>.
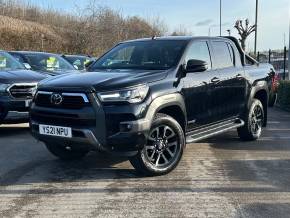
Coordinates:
<point>184,38</point>
<point>33,52</point>
<point>189,38</point>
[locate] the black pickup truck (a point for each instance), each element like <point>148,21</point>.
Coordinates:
<point>17,86</point>
<point>147,98</point>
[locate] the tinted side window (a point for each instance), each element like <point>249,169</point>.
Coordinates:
<point>235,54</point>
<point>222,55</point>
<point>231,53</point>
<point>199,51</point>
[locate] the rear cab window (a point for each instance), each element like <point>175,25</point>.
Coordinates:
<point>224,57</point>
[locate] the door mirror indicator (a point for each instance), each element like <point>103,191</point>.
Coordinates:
<point>194,65</point>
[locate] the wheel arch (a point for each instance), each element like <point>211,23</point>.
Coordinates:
<point>175,112</point>
<point>262,94</point>
<point>172,105</point>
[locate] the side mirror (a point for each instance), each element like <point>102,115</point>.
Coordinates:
<point>194,65</point>
<point>89,63</point>
<point>27,66</point>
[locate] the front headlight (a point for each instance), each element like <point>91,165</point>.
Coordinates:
<point>4,87</point>
<point>132,95</point>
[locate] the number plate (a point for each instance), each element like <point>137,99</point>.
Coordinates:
<point>55,131</point>
<point>28,102</point>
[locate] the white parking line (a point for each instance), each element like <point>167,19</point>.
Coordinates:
<point>274,122</point>
<point>274,138</point>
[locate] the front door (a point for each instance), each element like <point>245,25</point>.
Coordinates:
<point>197,86</point>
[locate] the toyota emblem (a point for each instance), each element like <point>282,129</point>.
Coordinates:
<point>56,99</point>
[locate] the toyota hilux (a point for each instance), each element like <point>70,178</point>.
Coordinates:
<point>148,98</point>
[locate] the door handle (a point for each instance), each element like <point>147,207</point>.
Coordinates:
<point>215,80</point>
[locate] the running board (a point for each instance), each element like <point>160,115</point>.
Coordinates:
<point>212,130</point>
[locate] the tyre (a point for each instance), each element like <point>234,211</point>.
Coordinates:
<point>253,122</point>
<point>66,153</point>
<point>164,147</point>
<point>272,99</point>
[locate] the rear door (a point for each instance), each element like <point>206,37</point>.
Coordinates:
<point>230,93</point>
<point>197,86</point>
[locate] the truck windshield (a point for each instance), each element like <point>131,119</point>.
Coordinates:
<point>149,55</point>
<point>47,62</point>
<point>7,62</point>
<point>79,61</point>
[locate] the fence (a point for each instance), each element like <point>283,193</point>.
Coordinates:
<point>278,58</point>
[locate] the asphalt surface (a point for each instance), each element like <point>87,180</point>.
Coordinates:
<point>219,177</point>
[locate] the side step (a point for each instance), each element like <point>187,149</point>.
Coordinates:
<point>212,130</point>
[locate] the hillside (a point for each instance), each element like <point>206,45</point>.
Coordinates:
<point>92,30</point>
<point>16,34</point>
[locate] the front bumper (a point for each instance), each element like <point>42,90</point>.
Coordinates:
<point>80,136</point>
<point>127,142</point>
<point>132,136</point>
<point>13,110</point>
<point>94,126</point>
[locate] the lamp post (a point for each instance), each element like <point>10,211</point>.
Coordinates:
<point>256,26</point>
<point>220,17</point>
<point>42,41</point>
<point>289,53</point>
<point>211,27</point>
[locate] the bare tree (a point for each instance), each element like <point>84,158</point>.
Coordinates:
<point>244,31</point>
<point>92,30</point>
<point>158,26</point>
<point>181,31</point>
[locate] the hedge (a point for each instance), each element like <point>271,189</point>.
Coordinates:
<point>284,95</point>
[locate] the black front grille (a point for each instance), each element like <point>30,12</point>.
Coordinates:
<point>68,102</point>
<point>51,118</point>
<point>22,91</point>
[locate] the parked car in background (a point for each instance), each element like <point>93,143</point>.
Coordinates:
<point>80,62</point>
<point>17,87</point>
<point>147,98</point>
<point>45,63</point>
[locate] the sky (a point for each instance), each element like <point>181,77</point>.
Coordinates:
<point>201,16</point>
